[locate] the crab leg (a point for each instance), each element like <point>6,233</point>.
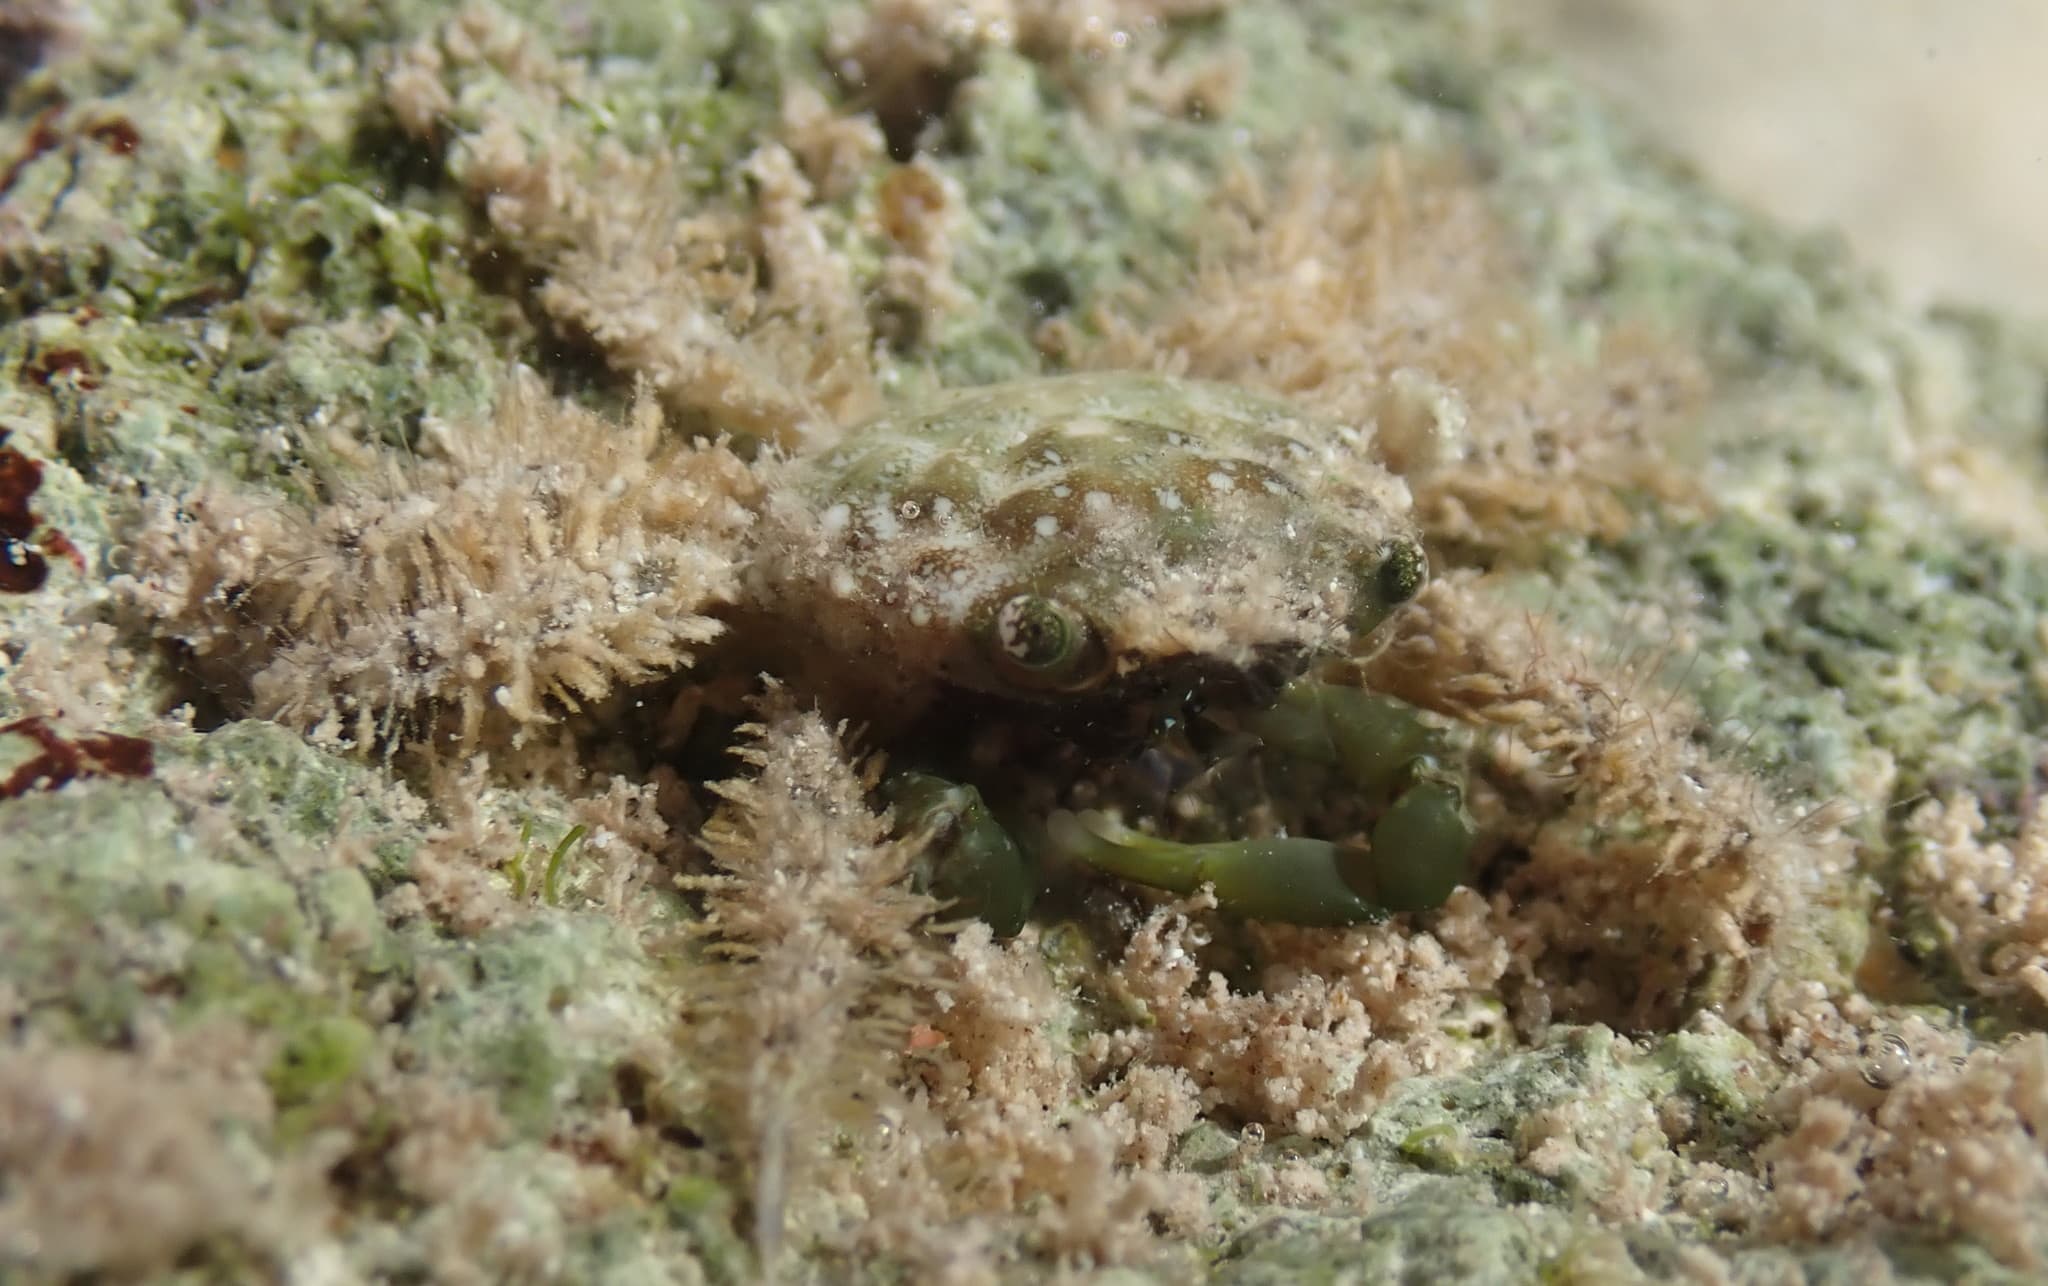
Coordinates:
<point>1296,880</point>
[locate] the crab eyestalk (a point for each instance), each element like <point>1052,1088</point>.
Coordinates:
<point>1385,583</point>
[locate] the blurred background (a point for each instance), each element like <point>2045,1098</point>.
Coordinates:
<point>1917,127</point>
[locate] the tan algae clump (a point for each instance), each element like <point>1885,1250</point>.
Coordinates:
<point>540,559</point>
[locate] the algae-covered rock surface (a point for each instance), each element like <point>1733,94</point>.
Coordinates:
<point>445,834</point>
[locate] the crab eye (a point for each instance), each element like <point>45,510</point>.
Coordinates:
<point>1404,568</point>
<point>1395,576</point>
<point>1040,642</point>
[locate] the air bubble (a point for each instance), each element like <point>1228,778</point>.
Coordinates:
<point>1887,1061</point>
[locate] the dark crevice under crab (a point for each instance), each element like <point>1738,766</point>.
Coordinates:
<point>1112,620</point>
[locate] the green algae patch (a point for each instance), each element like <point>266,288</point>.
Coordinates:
<point>316,1059</point>
<point>129,918</point>
<point>1418,1243</point>
<point>1840,625</point>
<point>1720,1070</point>
<point>705,1210</point>
<point>122,915</point>
<point>131,910</point>
<point>210,222</point>
<point>344,911</point>
<point>282,791</point>
<point>1474,1127</point>
<point>550,1009</point>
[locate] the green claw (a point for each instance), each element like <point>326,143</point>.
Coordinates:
<point>971,862</point>
<point>1421,849</point>
<point>1374,739</point>
<point>1373,745</point>
<point>1377,746</point>
<point>1300,881</point>
<point>1421,845</point>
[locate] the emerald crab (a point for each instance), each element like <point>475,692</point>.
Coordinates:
<point>1112,620</point>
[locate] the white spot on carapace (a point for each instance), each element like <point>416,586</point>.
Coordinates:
<point>1096,502</point>
<point>942,509</point>
<point>1045,525</point>
<point>959,576</point>
<point>1052,457</point>
<point>1061,491</point>
<point>843,583</point>
<point>1088,426</point>
<point>1221,481</point>
<point>1169,499</point>
<point>920,616</point>
<point>834,520</point>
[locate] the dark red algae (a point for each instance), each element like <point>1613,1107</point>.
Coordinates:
<point>60,760</point>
